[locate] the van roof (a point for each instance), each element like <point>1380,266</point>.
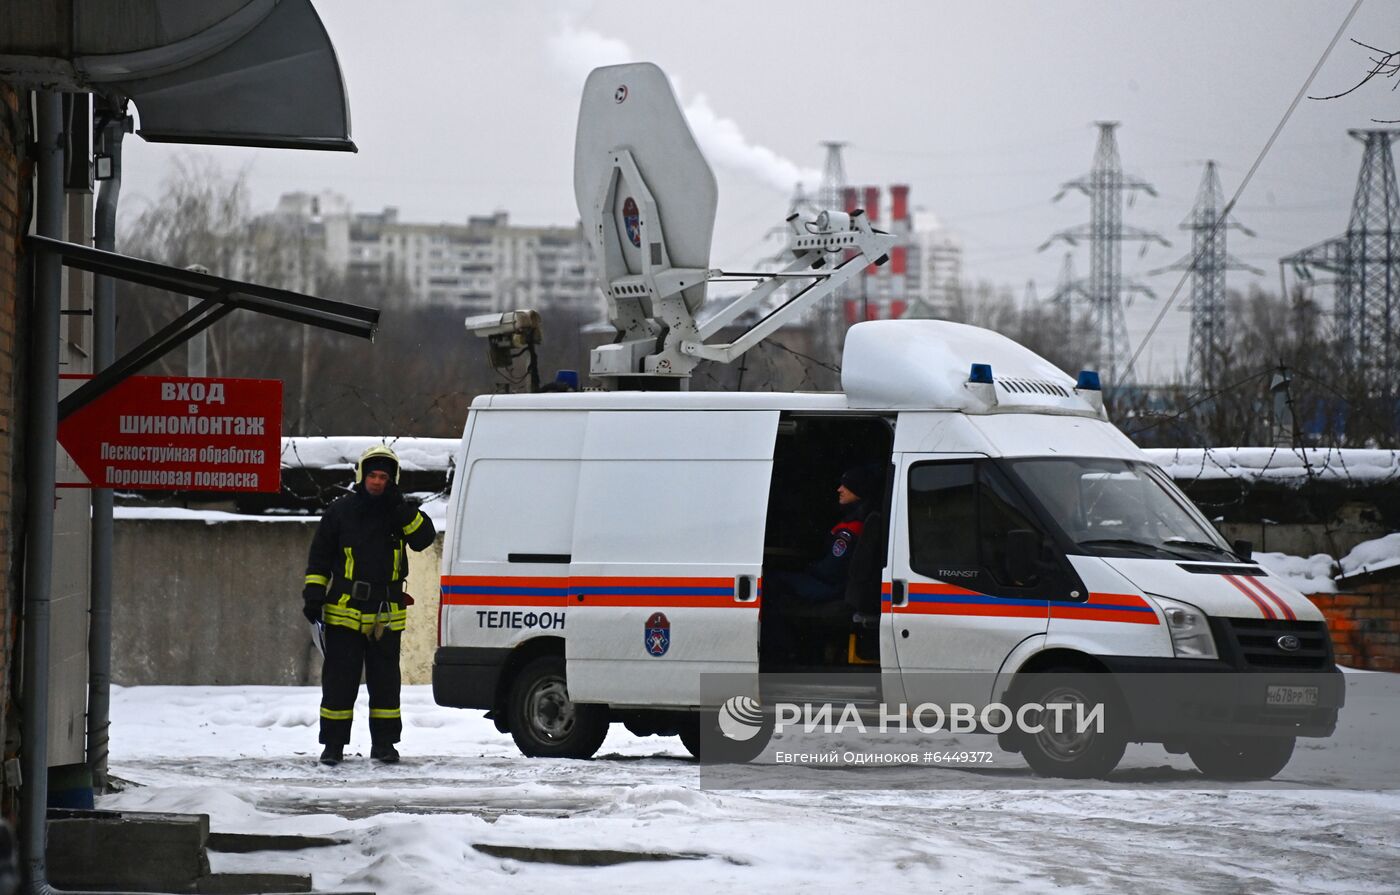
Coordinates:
<point>927,364</point>
<point>598,400</point>
<point>887,365</point>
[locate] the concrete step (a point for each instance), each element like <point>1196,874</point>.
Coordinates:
<point>242,843</point>
<point>581,857</point>
<point>252,883</point>
<point>135,851</point>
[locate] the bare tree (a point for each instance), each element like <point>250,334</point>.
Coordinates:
<point>1383,65</point>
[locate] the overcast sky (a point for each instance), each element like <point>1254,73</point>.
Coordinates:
<point>984,108</point>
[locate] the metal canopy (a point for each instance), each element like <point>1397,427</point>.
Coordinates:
<point>221,296</point>
<point>223,72</point>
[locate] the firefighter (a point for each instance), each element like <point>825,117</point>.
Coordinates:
<point>824,579</point>
<point>354,586</point>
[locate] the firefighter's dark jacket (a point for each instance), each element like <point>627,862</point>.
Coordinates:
<point>364,539</point>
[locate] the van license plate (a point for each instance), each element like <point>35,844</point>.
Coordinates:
<point>1278,695</point>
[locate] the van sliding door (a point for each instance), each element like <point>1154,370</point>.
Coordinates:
<point>667,550</point>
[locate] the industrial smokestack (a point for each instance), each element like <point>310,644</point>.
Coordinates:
<point>848,197</point>
<point>899,202</point>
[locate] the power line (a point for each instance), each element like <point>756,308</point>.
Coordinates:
<point>1249,175</point>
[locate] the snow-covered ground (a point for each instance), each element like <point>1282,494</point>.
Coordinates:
<point>246,756</point>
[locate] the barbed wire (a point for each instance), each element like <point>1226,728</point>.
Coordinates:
<point>1201,400</point>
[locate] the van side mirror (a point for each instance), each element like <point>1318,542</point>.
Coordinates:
<point>1244,549</point>
<point>1022,554</point>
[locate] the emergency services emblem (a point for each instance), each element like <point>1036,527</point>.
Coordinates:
<point>658,634</point>
<point>633,219</point>
<point>839,546</point>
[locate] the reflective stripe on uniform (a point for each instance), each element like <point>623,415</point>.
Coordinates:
<point>322,580</point>
<point>385,713</point>
<point>394,575</point>
<point>413,526</point>
<point>395,619</point>
<point>349,564</point>
<point>337,714</point>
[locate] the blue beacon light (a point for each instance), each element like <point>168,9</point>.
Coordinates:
<point>1088,381</point>
<point>981,373</point>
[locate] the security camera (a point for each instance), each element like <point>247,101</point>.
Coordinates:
<point>510,322</point>
<point>508,336</point>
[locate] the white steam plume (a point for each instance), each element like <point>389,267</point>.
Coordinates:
<point>576,51</point>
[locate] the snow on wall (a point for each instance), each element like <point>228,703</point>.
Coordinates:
<point>433,505</point>
<point>1284,465</point>
<point>1372,556</point>
<point>1289,466</point>
<point>1310,574</point>
<point>343,451</point>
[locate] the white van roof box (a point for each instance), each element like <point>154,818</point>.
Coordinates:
<point>929,365</point>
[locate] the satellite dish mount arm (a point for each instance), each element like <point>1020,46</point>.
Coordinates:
<point>658,334</point>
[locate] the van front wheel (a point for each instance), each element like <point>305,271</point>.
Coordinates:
<point>1062,747</point>
<point>544,722</point>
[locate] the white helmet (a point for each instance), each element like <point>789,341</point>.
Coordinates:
<point>377,451</point>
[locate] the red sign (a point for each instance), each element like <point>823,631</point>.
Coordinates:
<point>173,433</point>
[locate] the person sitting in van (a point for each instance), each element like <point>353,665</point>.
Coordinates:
<point>824,579</point>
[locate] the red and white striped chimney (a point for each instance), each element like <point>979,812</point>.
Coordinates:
<point>899,202</point>
<point>848,196</point>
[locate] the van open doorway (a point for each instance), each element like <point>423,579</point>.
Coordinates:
<point>822,559</point>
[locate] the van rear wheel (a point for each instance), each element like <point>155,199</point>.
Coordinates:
<point>1062,750</point>
<point>544,722</point>
<point>1242,758</point>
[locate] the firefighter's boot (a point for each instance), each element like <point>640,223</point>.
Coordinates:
<point>333,754</point>
<point>384,752</point>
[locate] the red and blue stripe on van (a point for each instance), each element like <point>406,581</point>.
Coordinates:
<point>939,598</point>
<point>625,591</point>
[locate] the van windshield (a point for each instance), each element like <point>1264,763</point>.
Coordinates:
<point>1119,508</point>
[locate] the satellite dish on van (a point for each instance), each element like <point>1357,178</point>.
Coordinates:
<point>632,107</point>
<point>647,200</point>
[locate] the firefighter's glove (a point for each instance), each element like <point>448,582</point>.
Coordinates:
<point>313,598</point>
<point>405,512</point>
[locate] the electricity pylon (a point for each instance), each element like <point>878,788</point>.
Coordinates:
<point>1105,185</point>
<point>1366,263</point>
<point>1207,263</point>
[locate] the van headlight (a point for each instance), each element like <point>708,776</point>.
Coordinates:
<point>1189,628</point>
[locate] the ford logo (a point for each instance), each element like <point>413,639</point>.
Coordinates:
<point>1289,642</point>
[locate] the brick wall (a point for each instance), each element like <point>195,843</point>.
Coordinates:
<point>1365,624</point>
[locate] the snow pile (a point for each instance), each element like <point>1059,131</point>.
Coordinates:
<point>1289,466</point>
<point>342,452</point>
<point>1309,575</point>
<point>1372,556</point>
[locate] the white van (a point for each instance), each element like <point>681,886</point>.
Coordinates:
<point>604,549</point>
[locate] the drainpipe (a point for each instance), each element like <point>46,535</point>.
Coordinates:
<point>40,492</point>
<point>104,344</point>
